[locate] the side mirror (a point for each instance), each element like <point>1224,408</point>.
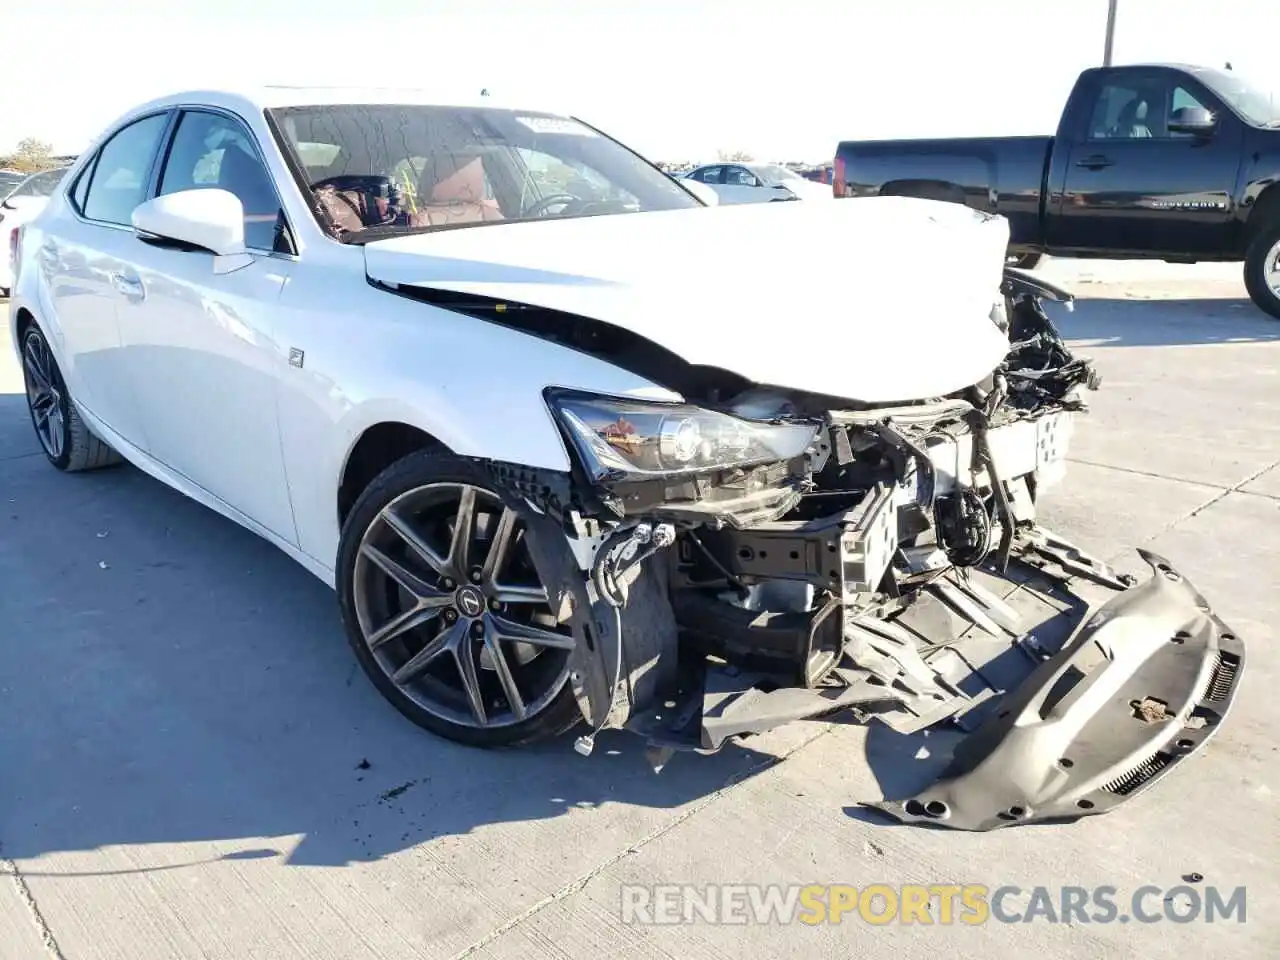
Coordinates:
<point>1193,120</point>
<point>702,191</point>
<point>209,219</point>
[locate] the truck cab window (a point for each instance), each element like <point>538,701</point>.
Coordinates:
<point>1121,113</point>
<point>1139,110</point>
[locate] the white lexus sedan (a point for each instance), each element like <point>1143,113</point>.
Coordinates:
<point>568,456</point>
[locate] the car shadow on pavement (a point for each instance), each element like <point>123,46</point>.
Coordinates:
<point>167,677</point>
<point>1172,322</point>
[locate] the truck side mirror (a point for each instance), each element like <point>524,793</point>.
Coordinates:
<point>1194,120</point>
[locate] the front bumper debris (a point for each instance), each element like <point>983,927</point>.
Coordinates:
<point>1078,687</point>
<point>1145,682</point>
<point>897,572</point>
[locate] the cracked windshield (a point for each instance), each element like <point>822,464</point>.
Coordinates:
<point>381,170</point>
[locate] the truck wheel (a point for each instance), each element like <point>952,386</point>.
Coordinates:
<point>1262,270</point>
<point>1025,261</point>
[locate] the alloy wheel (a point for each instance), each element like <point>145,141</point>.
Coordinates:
<point>1271,269</point>
<point>46,396</point>
<point>453,610</point>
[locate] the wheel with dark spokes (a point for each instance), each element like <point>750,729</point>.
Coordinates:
<point>67,441</point>
<point>446,610</point>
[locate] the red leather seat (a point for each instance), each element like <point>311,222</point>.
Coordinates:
<point>452,189</point>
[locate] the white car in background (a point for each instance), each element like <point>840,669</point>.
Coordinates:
<point>9,179</point>
<point>20,205</point>
<point>757,183</point>
<point>570,454</point>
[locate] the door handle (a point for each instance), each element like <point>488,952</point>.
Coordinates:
<point>129,286</point>
<point>1096,162</point>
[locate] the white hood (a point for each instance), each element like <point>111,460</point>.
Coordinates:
<point>876,300</point>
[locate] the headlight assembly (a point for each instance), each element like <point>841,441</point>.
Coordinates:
<point>615,435</point>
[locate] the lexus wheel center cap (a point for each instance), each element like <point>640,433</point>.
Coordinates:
<point>470,602</point>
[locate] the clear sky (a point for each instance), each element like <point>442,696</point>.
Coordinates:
<point>783,80</point>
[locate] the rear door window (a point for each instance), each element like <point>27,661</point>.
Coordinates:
<point>81,190</point>
<point>120,177</point>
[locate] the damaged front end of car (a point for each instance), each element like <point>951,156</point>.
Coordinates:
<point>770,556</point>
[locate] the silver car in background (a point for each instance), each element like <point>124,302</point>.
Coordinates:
<point>757,183</point>
<point>21,203</point>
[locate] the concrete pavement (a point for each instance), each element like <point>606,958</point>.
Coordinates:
<point>191,766</point>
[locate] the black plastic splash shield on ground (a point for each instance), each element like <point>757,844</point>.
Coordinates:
<point>1145,681</point>
<point>1078,687</point>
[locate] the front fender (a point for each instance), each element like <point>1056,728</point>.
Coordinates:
<point>474,386</point>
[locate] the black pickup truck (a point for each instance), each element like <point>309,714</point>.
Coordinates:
<point>1162,161</point>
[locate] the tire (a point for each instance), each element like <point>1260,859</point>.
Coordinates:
<point>65,439</point>
<point>1260,259</point>
<point>368,595</point>
<point>1025,261</point>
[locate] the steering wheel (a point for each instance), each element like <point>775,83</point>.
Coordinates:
<point>539,207</point>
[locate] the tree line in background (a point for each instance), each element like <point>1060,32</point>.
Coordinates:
<point>32,156</point>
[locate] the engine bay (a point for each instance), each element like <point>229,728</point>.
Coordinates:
<point>767,561</point>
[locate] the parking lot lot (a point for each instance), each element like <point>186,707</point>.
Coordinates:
<point>191,765</point>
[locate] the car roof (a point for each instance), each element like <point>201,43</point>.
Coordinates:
<point>253,99</point>
<point>1170,65</point>
<point>248,102</point>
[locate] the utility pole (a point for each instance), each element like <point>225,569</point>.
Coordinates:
<point>1111,32</point>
